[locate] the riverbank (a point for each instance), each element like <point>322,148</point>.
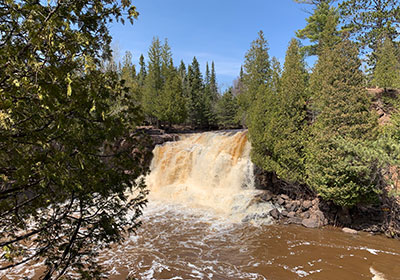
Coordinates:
<point>300,205</point>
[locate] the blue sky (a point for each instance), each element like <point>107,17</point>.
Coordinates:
<point>212,30</point>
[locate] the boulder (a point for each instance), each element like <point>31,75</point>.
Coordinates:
<point>305,215</point>
<point>294,220</point>
<point>284,213</point>
<point>307,204</point>
<point>295,205</point>
<point>291,214</point>
<point>349,230</point>
<point>281,201</point>
<point>275,213</point>
<point>312,222</point>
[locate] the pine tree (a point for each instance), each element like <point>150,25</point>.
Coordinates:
<point>257,73</point>
<point>369,21</point>
<point>153,82</point>
<point>339,165</point>
<point>387,69</point>
<point>321,25</point>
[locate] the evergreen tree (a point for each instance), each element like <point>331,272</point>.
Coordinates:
<point>321,24</point>
<point>290,120</point>
<point>196,98</point>
<point>153,82</point>
<point>339,165</point>
<point>257,73</point>
<point>387,69</point>
<point>261,119</point>
<point>166,57</point>
<point>370,20</point>
<point>279,121</point>
<point>213,83</point>
<point>141,77</point>
<point>183,76</point>
<point>226,110</point>
<point>207,77</point>
<point>276,75</point>
<point>172,108</point>
<point>128,75</point>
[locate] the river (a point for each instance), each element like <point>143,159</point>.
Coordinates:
<point>201,223</point>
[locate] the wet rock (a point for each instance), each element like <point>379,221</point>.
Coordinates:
<point>281,201</point>
<point>349,230</point>
<point>265,196</point>
<point>295,220</point>
<point>305,215</point>
<point>307,204</point>
<point>295,205</point>
<point>319,215</point>
<point>312,222</point>
<point>284,213</point>
<point>274,213</point>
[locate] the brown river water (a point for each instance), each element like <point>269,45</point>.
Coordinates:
<point>201,224</point>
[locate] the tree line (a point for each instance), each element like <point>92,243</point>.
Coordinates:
<point>176,95</point>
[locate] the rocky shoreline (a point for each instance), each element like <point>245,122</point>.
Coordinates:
<point>299,205</point>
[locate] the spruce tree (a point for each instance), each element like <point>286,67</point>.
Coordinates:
<point>195,95</point>
<point>153,82</point>
<point>257,73</point>
<point>142,73</point>
<point>387,69</point>
<point>338,162</point>
<point>226,110</point>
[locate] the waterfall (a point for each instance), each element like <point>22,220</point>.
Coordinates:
<point>210,170</point>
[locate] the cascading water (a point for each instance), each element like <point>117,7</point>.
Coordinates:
<point>208,170</point>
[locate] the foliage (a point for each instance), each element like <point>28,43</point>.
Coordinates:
<point>196,97</point>
<point>322,22</point>
<point>279,120</point>
<point>153,83</point>
<point>226,111</point>
<point>64,179</point>
<point>341,164</point>
<point>387,69</point>
<point>257,72</point>
<point>370,20</point>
